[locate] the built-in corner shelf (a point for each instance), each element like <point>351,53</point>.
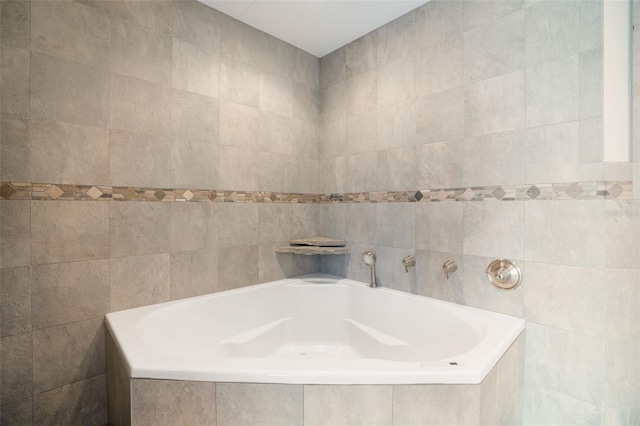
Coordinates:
<point>315,245</point>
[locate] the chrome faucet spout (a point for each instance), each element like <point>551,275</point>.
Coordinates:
<point>369,258</point>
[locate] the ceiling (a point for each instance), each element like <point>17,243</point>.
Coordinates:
<point>315,26</point>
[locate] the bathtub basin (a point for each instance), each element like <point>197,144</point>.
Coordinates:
<point>315,329</point>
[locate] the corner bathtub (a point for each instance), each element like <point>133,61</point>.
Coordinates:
<point>315,329</point>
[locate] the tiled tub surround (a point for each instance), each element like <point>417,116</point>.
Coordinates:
<point>497,400</point>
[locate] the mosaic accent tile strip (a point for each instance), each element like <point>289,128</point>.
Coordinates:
<point>618,190</point>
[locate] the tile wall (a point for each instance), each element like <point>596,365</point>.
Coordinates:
<point>462,94</point>
<point>135,94</point>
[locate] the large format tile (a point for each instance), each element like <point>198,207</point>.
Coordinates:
<point>495,159</point>
<point>172,402</point>
<point>333,68</point>
<point>68,292</point>
<point>479,14</point>
<point>137,159</point>
<point>396,82</point>
<point>194,273</point>
<point>67,91</point>
<point>439,164</point>
<point>566,362</point>
<point>305,220</point>
<point>494,229</point>
<point>347,405</point>
<point>152,14</point>
<point>68,153</point>
<point>621,303</point>
<point>139,228</point>
<point>552,31</point>
<point>238,267</point>
<point>274,223</point>
<point>440,116</point>
<point>241,41</point>
<point>436,405</point>
<point>441,67</point>
<point>14,148</point>
<point>239,125</point>
<point>238,224</point>
<point>14,80</point>
<point>239,82</point>
<point>395,225</point>
<point>15,245</point>
<point>140,52</point>
<point>550,289</point>
<point>360,221</point>
<point>496,49</point>
<point>361,133</point>
<point>543,406</point>
<point>81,403</point>
<point>566,232</point>
<point>396,40</point>
<point>19,413</point>
<point>396,169</point>
<point>139,281</point>
<point>553,92</point>
<point>118,385</point>
<point>139,106</point>
<point>333,102</point>
<point>17,368</point>
<point>362,93</point>
<point>70,30</point>
<point>495,105</point>
<point>431,280</point>
<point>198,24</point>
<point>333,220</point>
<point>591,83</point>
<point>438,21</point>
<point>15,26</point>
<point>195,69</point>
<point>621,374</point>
<point>65,354</point>
<point>276,94</point>
<point>64,231</point>
<point>244,404</point>
<point>439,227</point>
<point>277,172</point>
<point>361,54</point>
<point>239,169</point>
<point>193,226</point>
<point>389,268</point>
<point>15,301</point>
<point>396,126</point>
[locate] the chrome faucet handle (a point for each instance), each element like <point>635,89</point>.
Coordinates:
<point>449,266</point>
<point>408,261</point>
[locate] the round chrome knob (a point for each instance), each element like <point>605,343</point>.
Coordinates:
<point>504,274</point>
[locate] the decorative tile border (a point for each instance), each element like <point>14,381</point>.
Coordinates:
<point>618,190</point>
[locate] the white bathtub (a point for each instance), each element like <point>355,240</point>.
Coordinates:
<point>312,330</point>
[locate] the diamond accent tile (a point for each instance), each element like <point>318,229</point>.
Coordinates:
<point>7,190</point>
<point>130,194</point>
<point>188,195</point>
<point>54,192</point>
<point>159,194</point>
<point>574,191</point>
<point>498,193</point>
<point>533,192</point>
<point>94,193</point>
<point>418,196</point>
<point>469,194</point>
<point>615,191</point>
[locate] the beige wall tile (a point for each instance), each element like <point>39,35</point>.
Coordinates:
<point>439,164</point>
<point>68,153</point>
<point>82,402</point>
<point>65,354</point>
<point>395,225</point>
<point>306,69</point>
<point>440,227</point>
<point>140,52</point>
<point>333,102</point>
<point>274,266</point>
<point>621,374</point>
<point>118,385</point>
<point>396,82</point>
<point>440,116</point>
<point>277,133</point>
<point>68,91</point>
<point>276,94</point>
<point>14,79</point>
<point>240,41</point>
<point>436,404</point>
<point>139,106</point>
<point>333,68</point>
<point>261,403</point>
<point>547,406</point>
<point>17,367</point>
<point>139,159</point>
<point>15,25</point>
<point>347,405</point>
<point>438,21</point>
<point>67,292</point>
<point>495,229</point>
<point>495,105</point>
<point>277,172</point>
<point>15,301</point>
<point>306,103</point>
<point>360,223</point>
<point>153,14</point>
<point>15,241</point>
<point>504,151</point>
<point>276,56</point>
<point>139,281</point>
<point>430,279</point>
<point>64,232</point>
<point>70,30</point>
<point>621,303</point>
<point>239,125</point>
<point>396,126</point>
<point>197,24</point>
<point>274,222</point>
<point>361,133</point>
<point>194,273</point>
<point>396,40</point>
<point>194,165</point>
<point>441,66</point>
<point>238,169</point>
<point>139,228</point>
<point>165,402</point>
<point>18,413</point>
<point>333,220</point>
<point>193,226</point>
<point>361,54</point>
<point>362,93</point>
<point>195,69</point>
<point>305,220</point>
<point>480,14</point>
<point>239,82</point>
<point>230,276</point>
<point>552,31</point>
<point>238,224</point>
<point>14,148</point>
